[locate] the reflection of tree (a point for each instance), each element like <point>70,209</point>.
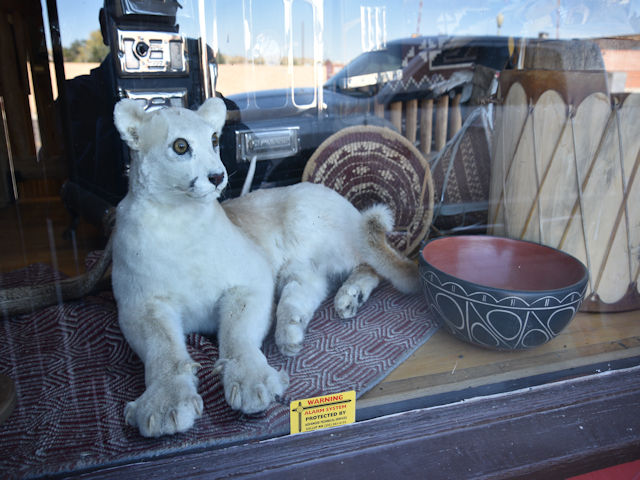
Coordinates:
<point>90,50</point>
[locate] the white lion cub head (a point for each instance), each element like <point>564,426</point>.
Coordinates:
<point>175,151</point>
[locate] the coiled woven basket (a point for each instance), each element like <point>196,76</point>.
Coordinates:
<point>368,165</point>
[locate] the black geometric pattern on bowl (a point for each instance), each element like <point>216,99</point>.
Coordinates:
<point>505,322</point>
<point>499,318</point>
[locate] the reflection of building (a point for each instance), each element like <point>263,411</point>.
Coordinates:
<point>331,68</point>
<point>621,57</point>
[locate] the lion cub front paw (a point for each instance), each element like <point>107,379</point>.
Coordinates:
<point>251,385</point>
<point>166,407</point>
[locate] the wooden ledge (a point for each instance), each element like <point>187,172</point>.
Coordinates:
<point>551,431</point>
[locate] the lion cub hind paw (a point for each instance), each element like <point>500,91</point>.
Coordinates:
<point>251,388</point>
<point>291,327</point>
<point>348,300</point>
<point>164,411</point>
<point>290,338</point>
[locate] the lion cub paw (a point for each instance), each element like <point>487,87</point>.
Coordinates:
<point>166,407</point>
<point>251,385</point>
<point>290,336</point>
<point>291,326</point>
<point>348,300</point>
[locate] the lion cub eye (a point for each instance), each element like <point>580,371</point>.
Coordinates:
<point>214,140</point>
<point>180,146</point>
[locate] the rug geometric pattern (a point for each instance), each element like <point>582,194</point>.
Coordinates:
<point>74,373</point>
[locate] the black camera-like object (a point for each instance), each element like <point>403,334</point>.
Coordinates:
<point>154,62</point>
<point>150,60</point>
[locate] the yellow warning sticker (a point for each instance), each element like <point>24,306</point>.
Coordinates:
<point>323,412</point>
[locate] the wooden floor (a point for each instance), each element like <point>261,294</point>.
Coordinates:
<point>33,232</point>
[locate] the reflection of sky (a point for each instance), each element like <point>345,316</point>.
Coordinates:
<point>263,21</point>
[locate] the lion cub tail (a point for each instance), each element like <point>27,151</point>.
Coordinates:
<point>382,257</point>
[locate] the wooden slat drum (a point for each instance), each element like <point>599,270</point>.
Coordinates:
<point>565,174</point>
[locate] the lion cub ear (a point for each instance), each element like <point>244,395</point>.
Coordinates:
<point>128,116</point>
<point>214,111</point>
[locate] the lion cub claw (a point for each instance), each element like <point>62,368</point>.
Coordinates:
<point>251,385</point>
<point>166,407</point>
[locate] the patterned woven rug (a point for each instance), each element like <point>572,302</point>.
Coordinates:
<point>74,373</point>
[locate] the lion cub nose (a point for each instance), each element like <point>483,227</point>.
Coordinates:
<point>216,178</point>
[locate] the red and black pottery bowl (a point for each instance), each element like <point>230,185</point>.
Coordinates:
<point>501,293</point>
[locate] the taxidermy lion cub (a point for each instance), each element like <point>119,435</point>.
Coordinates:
<point>183,262</point>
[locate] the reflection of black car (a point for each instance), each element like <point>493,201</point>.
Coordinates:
<point>282,128</point>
